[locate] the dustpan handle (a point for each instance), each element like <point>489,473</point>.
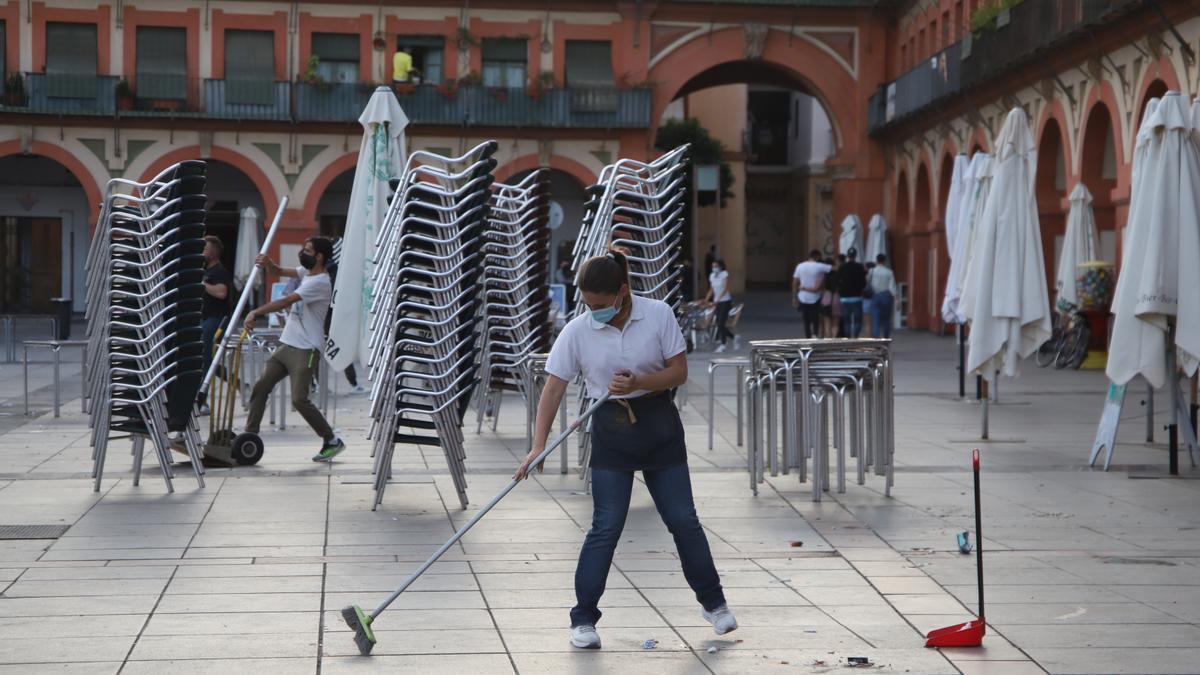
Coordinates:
<point>978,531</point>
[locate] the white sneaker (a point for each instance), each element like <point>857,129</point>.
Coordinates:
<point>585,637</point>
<point>720,348</point>
<point>358,389</point>
<point>737,342</point>
<point>721,619</point>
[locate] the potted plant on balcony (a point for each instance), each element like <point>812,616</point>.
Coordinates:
<point>14,90</point>
<point>499,93</point>
<point>448,90</point>
<point>312,75</point>
<point>545,81</point>
<point>125,95</point>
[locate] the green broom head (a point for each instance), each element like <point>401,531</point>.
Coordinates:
<point>360,622</point>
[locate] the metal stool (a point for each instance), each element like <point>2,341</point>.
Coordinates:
<point>739,363</point>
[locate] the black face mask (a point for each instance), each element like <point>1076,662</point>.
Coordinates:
<point>307,261</point>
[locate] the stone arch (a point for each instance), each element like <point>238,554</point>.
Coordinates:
<point>91,187</point>
<point>320,184</point>
<point>824,77</point>
<point>253,171</point>
<point>1050,189</point>
<point>578,171</point>
<point>922,198</point>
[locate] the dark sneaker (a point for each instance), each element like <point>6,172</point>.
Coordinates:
<point>330,450</point>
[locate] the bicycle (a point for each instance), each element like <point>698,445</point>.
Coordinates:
<point>1068,344</point>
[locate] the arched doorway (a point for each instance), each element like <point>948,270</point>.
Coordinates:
<point>334,205</point>
<point>1098,171</point>
<point>229,191</point>
<point>924,264</point>
<point>941,247</point>
<point>777,137</point>
<point>1051,193</point>
<point>1156,89</point>
<point>566,211</point>
<point>44,234</point>
<point>902,263</point>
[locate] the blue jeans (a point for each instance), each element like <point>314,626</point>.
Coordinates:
<point>881,314</point>
<point>852,317</point>
<point>671,490</point>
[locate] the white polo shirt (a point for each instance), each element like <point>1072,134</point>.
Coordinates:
<point>651,336</point>
<point>305,327</point>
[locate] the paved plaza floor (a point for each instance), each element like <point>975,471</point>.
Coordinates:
<point>1087,571</point>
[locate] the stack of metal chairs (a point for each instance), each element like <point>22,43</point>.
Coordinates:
<point>516,304</point>
<point>144,294</point>
<point>639,208</point>
<point>425,321</point>
<point>820,400</point>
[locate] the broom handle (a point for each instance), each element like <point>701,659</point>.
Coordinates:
<point>247,291</point>
<point>978,532</point>
<point>488,507</point>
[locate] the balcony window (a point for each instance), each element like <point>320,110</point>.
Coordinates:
<point>504,62</point>
<point>426,56</point>
<point>161,63</point>
<point>250,67</point>
<point>71,56</point>
<point>337,56</point>
<point>590,76</point>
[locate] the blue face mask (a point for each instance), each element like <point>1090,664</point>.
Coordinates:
<point>605,315</point>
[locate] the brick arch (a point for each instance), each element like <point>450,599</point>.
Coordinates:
<point>1156,75</point>
<point>64,157</point>
<point>979,141</point>
<point>1102,93</point>
<point>922,203</point>
<point>823,76</point>
<point>945,175</point>
<point>235,159</point>
<point>572,168</point>
<point>1053,110</point>
<point>902,209</point>
<point>337,167</point>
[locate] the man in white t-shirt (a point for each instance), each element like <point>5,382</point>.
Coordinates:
<point>299,351</point>
<point>806,290</point>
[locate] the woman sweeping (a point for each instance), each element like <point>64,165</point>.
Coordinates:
<point>633,348</point>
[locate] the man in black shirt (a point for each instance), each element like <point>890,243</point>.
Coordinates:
<point>852,278</point>
<point>218,286</point>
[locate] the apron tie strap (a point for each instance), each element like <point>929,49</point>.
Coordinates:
<point>628,408</point>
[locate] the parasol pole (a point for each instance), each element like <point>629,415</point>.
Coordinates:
<point>1172,401</point>
<point>962,361</point>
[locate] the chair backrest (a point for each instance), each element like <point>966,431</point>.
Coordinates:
<point>735,313</point>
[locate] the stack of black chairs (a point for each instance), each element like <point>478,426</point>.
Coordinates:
<point>425,323</point>
<point>516,303</point>
<point>145,289</point>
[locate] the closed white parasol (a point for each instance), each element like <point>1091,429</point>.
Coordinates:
<point>876,237</point>
<point>852,234</point>
<point>1080,244</point>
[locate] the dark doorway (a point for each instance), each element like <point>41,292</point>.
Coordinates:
<point>31,258</point>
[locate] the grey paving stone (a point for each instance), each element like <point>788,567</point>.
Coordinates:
<point>221,666</point>
<point>230,646</point>
<point>77,606</point>
<point>84,587</point>
<point>215,623</point>
<point>434,664</point>
<point>413,641</point>
<point>53,649</point>
<point>71,626</point>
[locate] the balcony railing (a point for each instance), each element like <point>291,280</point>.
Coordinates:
<point>1020,36</point>
<point>452,105</point>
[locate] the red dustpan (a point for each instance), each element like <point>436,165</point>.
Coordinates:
<point>969,634</point>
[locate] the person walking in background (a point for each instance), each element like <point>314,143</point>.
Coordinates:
<point>831,309</point>
<point>852,279</point>
<point>215,309</point>
<point>883,302</point>
<point>867,297</point>
<point>718,292</point>
<point>563,276</point>
<point>807,287</point>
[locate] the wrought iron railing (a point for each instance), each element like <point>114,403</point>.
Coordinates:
<point>245,99</point>
<point>1020,36</point>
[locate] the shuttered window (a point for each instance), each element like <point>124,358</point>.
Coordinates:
<point>504,62</point>
<point>161,63</point>
<point>337,54</point>
<point>71,56</point>
<point>589,63</point>
<point>250,67</point>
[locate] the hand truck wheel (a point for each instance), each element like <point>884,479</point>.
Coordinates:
<point>247,449</point>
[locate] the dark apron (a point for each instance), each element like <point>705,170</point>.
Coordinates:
<point>655,441</point>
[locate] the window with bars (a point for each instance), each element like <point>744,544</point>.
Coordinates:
<point>337,56</point>
<point>71,60</point>
<point>161,63</point>
<point>250,67</point>
<point>426,55</point>
<point>505,62</point>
